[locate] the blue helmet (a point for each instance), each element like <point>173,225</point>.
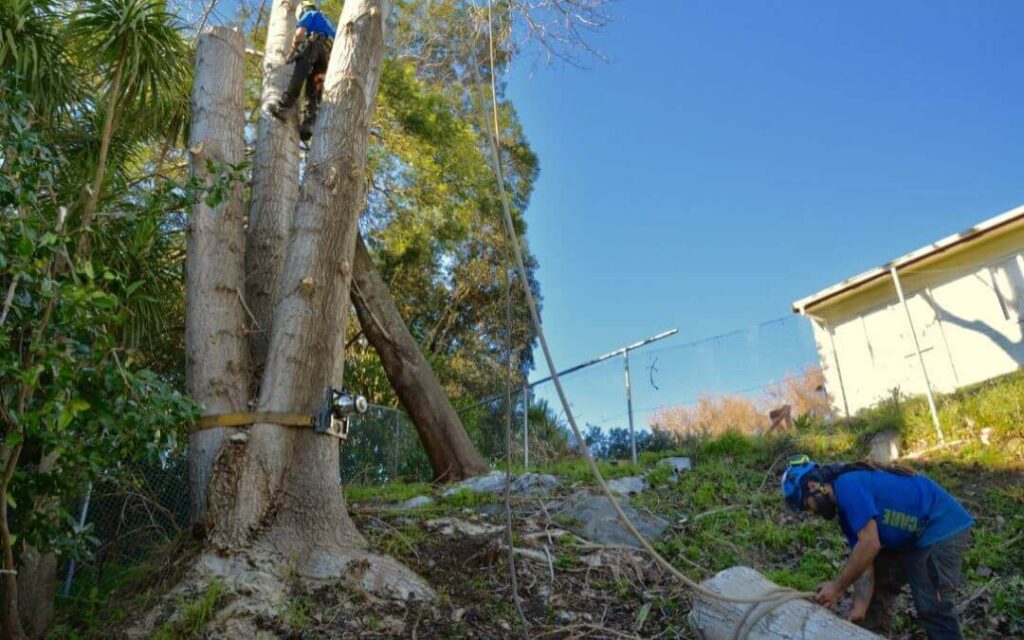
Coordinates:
<point>793,480</point>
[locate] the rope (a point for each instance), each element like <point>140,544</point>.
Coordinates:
<point>775,596</point>
<point>507,286</point>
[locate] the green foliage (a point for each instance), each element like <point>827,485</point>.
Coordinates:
<point>33,52</point>
<point>138,39</point>
<point>193,615</point>
<point>69,391</point>
<point>385,493</point>
<point>1008,601</point>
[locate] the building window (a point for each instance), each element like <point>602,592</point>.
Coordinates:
<point>1008,283</point>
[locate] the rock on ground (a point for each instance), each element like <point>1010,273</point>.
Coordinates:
<point>594,518</point>
<point>678,464</point>
<point>885,447</point>
<point>628,486</point>
<point>494,482</point>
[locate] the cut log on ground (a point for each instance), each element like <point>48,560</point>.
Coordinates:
<point>451,452</point>
<point>720,620</point>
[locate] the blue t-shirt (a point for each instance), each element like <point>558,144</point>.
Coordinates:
<point>911,511</point>
<point>316,22</point>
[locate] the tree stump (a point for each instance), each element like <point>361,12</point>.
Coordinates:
<point>718,619</point>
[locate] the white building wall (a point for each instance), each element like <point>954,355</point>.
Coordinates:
<point>968,319</point>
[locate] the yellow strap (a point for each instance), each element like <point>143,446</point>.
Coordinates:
<point>247,419</point>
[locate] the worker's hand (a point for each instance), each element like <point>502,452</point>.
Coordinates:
<point>829,594</point>
<point>857,612</point>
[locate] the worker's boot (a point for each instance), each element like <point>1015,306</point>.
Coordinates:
<point>306,128</point>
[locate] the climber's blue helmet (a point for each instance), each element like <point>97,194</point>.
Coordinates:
<point>794,482</point>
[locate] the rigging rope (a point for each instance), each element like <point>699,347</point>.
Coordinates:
<point>762,603</point>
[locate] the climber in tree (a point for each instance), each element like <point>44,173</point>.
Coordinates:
<point>311,49</point>
<point>903,528</point>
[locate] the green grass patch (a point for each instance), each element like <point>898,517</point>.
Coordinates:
<point>194,615</point>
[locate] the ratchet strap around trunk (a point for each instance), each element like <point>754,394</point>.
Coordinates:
<point>249,419</point>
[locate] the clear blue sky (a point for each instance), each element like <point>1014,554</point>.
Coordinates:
<point>735,156</point>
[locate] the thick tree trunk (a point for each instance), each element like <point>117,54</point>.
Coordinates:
<point>281,488</point>
<point>275,187</point>
<point>217,355</point>
<point>37,587</point>
<point>452,454</point>
<point>718,619</point>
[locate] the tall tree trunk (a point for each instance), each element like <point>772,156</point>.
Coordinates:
<point>452,454</point>
<point>217,353</point>
<point>275,187</point>
<point>281,489</point>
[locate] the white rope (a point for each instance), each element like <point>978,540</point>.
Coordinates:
<point>776,596</point>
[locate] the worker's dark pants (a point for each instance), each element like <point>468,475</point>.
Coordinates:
<point>308,62</point>
<point>933,574</point>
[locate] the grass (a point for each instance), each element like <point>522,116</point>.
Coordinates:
<point>728,510</point>
<point>194,615</point>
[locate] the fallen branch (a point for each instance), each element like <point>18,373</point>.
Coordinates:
<point>923,452</point>
<point>961,607</point>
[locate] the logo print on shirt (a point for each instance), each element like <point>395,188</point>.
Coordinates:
<point>899,520</point>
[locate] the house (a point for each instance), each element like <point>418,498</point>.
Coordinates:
<point>962,299</point>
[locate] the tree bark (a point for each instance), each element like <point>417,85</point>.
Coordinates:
<point>282,488</point>
<point>275,187</point>
<point>452,454</point>
<point>37,588</point>
<point>217,355</point>
<point>718,619</point>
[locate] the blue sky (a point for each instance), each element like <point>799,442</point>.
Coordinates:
<point>735,156</point>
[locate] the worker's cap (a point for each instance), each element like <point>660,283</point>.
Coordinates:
<point>795,479</point>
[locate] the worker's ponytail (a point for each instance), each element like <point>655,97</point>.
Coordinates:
<point>830,472</point>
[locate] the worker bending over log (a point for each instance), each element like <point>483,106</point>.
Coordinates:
<point>903,528</point>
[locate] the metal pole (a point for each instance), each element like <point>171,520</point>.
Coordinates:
<point>81,523</point>
<point>394,438</point>
<point>920,357</point>
<point>583,365</point>
<point>526,427</point>
<point>629,407</point>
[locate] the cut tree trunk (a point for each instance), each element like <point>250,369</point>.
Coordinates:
<point>719,619</point>
<point>275,187</point>
<point>217,353</point>
<point>281,490</point>
<point>452,454</point>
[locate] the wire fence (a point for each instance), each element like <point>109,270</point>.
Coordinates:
<point>958,326</point>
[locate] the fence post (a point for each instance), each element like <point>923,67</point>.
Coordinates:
<point>82,514</point>
<point>526,427</point>
<point>394,438</point>
<point>629,408</point>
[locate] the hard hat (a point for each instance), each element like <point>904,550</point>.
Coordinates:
<point>792,487</point>
<point>304,6</point>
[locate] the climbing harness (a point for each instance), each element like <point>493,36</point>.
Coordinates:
<point>332,419</point>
